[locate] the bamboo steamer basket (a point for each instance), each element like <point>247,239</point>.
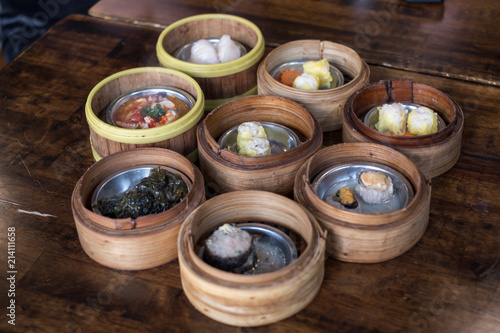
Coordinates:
<point>366,238</point>
<point>220,82</point>
<point>179,136</point>
<point>147,241</point>
<point>251,300</point>
<point>325,105</point>
<point>227,171</point>
<point>433,154</point>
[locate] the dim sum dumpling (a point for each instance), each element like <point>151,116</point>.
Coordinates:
<point>256,147</point>
<point>252,140</point>
<point>392,119</point>
<point>422,121</point>
<point>203,52</point>
<point>227,49</point>
<point>306,81</point>
<point>322,69</point>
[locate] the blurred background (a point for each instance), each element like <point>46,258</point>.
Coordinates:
<point>24,21</point>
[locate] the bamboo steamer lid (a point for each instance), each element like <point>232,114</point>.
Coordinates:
<point>179,136</point>
<point>227,171</point>
<point>147,241</point>
<point>251,300</point>
<point>366,238</point>
<point>220,82</point>
<point>325,105</point>
<point>433,154</point>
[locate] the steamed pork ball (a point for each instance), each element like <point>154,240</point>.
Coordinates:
<point>422,121</point>
<point>252,140</point>
<point>375,187</point>
<point>229,248</point>
<point>392,119</point>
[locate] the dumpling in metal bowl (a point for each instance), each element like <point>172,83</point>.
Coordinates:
<point>375,187</point>
<point>229,248</point>
<point>392,119</point>
<point>203,52</point>
<point>227,50</point>
<point>422,121</point>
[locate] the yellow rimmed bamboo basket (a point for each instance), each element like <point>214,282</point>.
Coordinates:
<point>251,300</point>
<point>325,105</point>
<point>220,82</point>
<point>147,241</point>
<point>366,238</point>
<point>179,136</point>
<point>433,154</point>
<point>227,171</point>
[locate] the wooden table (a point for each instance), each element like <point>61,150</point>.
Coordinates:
<point>448,282</point>
<point>458,38</point>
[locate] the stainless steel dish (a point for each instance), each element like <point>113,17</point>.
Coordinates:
<point>328,182</point>
<point>280,137</point>
<point>338,77</point>
<point>184,52</point>
<point>170,91</point>
<point>120,182</point>
<point>273,248</point>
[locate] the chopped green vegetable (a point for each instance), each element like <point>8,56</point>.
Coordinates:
<point>154,194</point>
<point>156,112</point>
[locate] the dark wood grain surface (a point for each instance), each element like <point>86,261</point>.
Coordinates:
<point>457,38</point>
<point>448,282</point>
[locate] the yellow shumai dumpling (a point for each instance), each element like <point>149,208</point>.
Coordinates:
<point>256,147</point>
<point>391,119</point>
<point>246,133</point>
<point>322,69</point>
<point>306,82</point>
<point>422,121</point>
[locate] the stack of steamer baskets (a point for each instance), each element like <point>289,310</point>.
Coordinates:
<point>380,231</point>
<point>251,299</point>
<point>254,193</point>
<point>122,153</point>
<point>261,182</point>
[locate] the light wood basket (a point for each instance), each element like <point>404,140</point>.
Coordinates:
<point>133,244</point>
<point>220,82</point>
<point>366,238</point>
<point>227,171</point>
<point>251,300</point>
<point>433,154</point>
<point>325,105</point>
<point>179,136</point>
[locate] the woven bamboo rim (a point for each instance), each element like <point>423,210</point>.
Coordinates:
<point>220,82</point>
<point>402,91</point>
<point>366,238</point>
<point>147,241</point>
<point>433,156</point>
<point>178,136</point>
<point>193,28</point>
<point>251,300</point>
<point>325,105</point>
<point>229,171</point>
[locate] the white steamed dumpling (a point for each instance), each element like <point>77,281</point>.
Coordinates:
<point>203,52</point>
<point>227,49</point>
